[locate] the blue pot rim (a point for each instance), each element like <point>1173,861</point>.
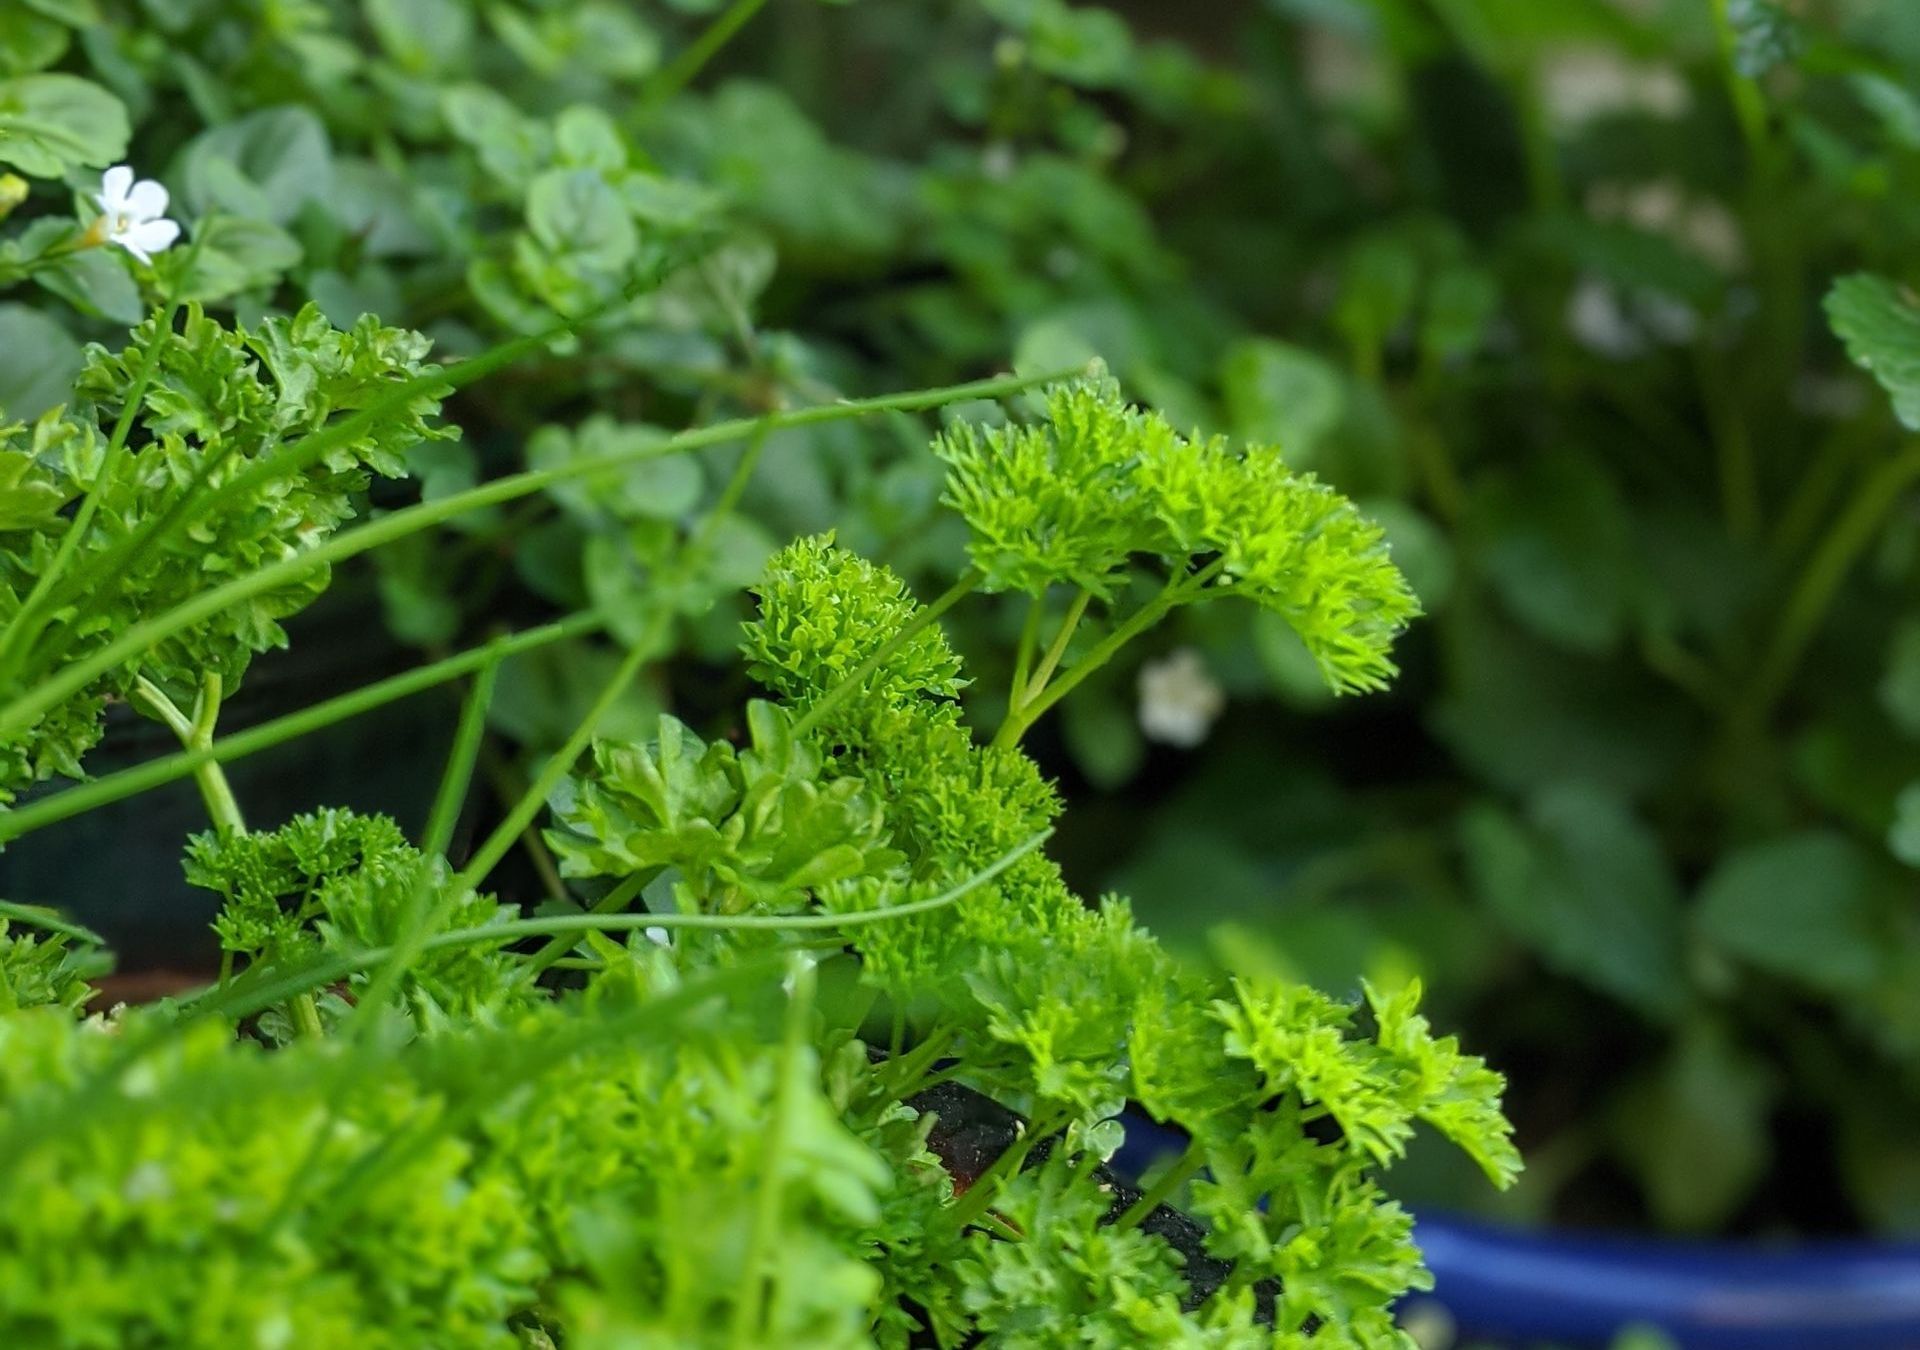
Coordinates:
<point>1505,1283</point>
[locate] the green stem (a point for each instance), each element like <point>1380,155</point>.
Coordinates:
<point>196,736</point>
<point>458,776</point>
<point>979,1196</point>
<point>1749,109</point>
<point>1023,653</point>
<point>508,787</point>
<point>1733,447</point>
<point>759,1302</point>
<point>613,902</point>
<point>497,844</point>
<point>1814,491</point>
<point>680,72</point>
<point>1435,463</point>
<point>263,987</point>
<point>730,495</point>
<point>1051,661</point>
<point>1806,608</point>
<point>306,1016</point>
<point>827,702</point>
<point>906,1074</point>
<point>1176,591</point>
<point>142,636</point>
<point>1156,1195</point>
<point>170,768</point>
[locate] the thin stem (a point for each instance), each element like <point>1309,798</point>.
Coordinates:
<point>758,1301</point>
<point>827,702</point>
<point>508,787</point>
<point>458,776</point>
<point>613,902</point>
<point>681,71</point>
<point>1179,1174</point>
<point>270,986</point>
<point>1051,661</point>
<point>1807,607</point>
<point>196,736</point>
<point>1435,462</point>
<point>1748,107</point>
<point>979,1196</point>
<point>140,637</point>
<point>497,844</point>
<point>907,1074</point>
<point>1023,653</point>
<point>306,1016</point>
<point>1180,588</point>
<point>170,768</point>
<point>1733,447</point>
<point>1813,493</point>
<point>730,495</point>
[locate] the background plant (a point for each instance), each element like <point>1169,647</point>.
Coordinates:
<point>1541,286</point>
<point>717,1130</point>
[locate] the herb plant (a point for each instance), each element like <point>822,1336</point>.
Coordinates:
<point>689,1101</point>
<point>1594,313</point>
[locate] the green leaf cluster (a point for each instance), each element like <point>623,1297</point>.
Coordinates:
<point>1100,484</point>
<point>220,410</point>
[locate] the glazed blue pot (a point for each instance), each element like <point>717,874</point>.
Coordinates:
<point>1522,1287</point>
<point>1519,1286</point>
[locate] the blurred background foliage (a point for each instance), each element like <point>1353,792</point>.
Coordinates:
<point>1545,286</point>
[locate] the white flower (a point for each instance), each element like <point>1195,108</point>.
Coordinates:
<point>1179,700</point>
<point>1581,84</point>
<point>133,214</point>
<point>1599,322</point>
<point>1700,225</point>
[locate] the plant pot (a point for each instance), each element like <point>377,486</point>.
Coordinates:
<point>1507,1285</point>
<point>1520,1286</point>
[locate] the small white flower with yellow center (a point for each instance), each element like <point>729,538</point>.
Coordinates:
<point>1179,699</point>
<point>133,214</point>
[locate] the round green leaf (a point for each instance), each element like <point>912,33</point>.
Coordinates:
<point>52,123</point>
<point>1797,907</point>
<point>1282,395</point>
<point>39,364</point>
<point>264,167</point>
<point>579,218</point>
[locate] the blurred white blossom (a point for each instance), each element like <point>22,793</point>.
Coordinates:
<point>1700,225</point>
<point>1580,84</point>
<point>1179,699</point>
<point>1598,321</point>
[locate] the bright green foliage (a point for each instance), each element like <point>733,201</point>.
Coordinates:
<point>1101,484</point>
<point>38,969</point>
<point>1299,1041</point>
<point>710,1133</point>
<point>452,1193</point>
<point>336,881</point>
<point>221,402</point>
<point>271,884</point>
<point>1073,1011</point>
<point>1572,372</point>
<point>753,830</point>
<point>686,1138</point>
<point>823,612</point>
<point>1088,1284</point>
<point>1880,323</point>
